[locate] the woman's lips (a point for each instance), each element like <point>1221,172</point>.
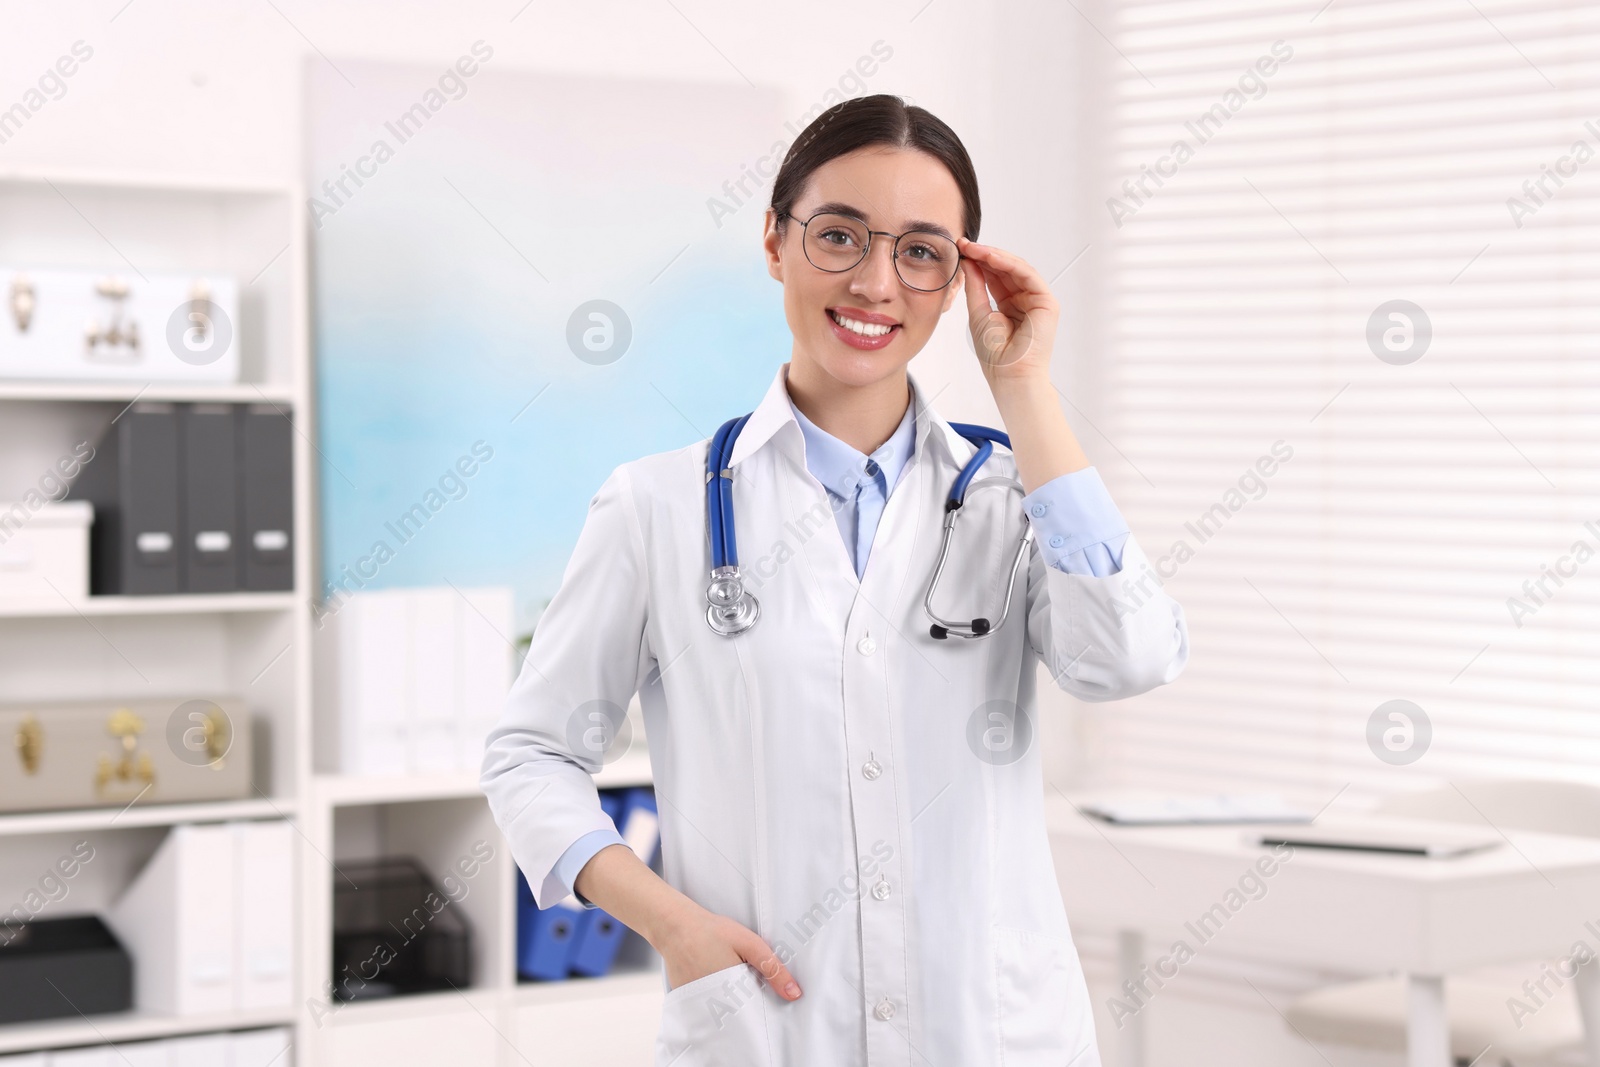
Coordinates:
<point>856,340</point>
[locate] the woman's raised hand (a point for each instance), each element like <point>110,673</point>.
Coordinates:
<point>1014,339</point>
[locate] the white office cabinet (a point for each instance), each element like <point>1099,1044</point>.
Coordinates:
<point>614,1027</point>
<point>141,1054</point>
<point>261,1048</point>
<point>199,1050</point>
<point>96,1056</point>
<point>417,1031</point>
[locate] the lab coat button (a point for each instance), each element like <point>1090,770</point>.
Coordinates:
<point>1056,541</point>
<point>871,769</point>
<point>881,890</point>
<point>885,1009</point>
<point>866,646</point>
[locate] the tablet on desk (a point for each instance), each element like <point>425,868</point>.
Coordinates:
<point>1194,810</point>
<point>1435,841</point>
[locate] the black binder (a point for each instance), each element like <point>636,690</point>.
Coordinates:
<point>266,498</point>
<point>132,483</point>
<point>209,499</point>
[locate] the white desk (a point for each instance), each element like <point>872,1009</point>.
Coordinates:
<point>1362,912</point>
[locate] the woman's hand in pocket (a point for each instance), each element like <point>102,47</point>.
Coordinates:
<point>703,942</point>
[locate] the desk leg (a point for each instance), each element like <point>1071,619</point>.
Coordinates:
<point>1588,985</point>
<point>1428,1027</point>
<point>1130,962</point>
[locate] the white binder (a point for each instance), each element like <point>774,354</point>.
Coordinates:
<point>177,921</point>
<point>363,682</point>
<point>264,932</point>
<point>417,678</point>
<point>485,621</point>
<point>431,616</point>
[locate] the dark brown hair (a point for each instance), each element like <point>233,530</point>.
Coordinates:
<point>874,120</point>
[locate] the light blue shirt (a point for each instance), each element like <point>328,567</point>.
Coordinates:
<point>1076,525</point>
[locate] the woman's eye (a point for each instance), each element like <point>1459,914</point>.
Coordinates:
<point>924,252</point>
<point>838,237</point>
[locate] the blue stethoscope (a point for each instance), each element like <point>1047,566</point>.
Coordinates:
<point>733,610</point>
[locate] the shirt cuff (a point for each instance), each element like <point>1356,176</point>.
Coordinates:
<point>1077,524</point>
<point>580,852</point>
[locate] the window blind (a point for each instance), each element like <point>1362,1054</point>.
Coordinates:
<point>1351,374</point>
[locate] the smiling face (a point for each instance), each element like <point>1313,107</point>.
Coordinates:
<point>890,189</point>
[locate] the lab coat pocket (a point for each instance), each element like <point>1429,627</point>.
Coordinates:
<point>717,1020</point>
<point>1044,1004</point>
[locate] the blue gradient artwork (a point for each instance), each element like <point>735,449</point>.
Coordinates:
<point>521,281</point>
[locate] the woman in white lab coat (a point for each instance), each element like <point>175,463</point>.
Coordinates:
<point>856,864</point>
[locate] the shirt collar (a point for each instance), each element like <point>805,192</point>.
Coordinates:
<point>840,466</point>
<point>774,421</point>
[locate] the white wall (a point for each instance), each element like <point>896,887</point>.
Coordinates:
<point>213,89</point>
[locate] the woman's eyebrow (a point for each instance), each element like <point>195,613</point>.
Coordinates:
<point>839,207</point>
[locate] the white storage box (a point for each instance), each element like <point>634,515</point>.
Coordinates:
<point>111,326</point>
<point>44,553</point>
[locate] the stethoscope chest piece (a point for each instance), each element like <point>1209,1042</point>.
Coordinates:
<point>731,610</point>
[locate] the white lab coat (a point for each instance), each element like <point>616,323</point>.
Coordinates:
<point>864,797</point>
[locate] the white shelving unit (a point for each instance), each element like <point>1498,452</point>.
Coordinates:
<point>497,1021</point>
<point>265,393</point>
<point>180,604</point>
<point>260,645</point>
<point>252,644</point>
<point>127,1026</point>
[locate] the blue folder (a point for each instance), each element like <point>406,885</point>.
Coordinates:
<point>544,936</point>
<point>641,825</point>
<point>557,941</point>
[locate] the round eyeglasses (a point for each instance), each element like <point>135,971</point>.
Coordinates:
<point>925,261</point>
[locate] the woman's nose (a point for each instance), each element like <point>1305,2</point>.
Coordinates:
<point>875,275</point>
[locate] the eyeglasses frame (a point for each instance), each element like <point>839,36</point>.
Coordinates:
<point>894,251</point>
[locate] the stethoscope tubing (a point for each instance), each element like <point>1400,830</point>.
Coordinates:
<point>719,494</point>
<point>733,610</point>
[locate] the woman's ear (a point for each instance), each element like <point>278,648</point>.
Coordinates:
<point>772,243</point>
